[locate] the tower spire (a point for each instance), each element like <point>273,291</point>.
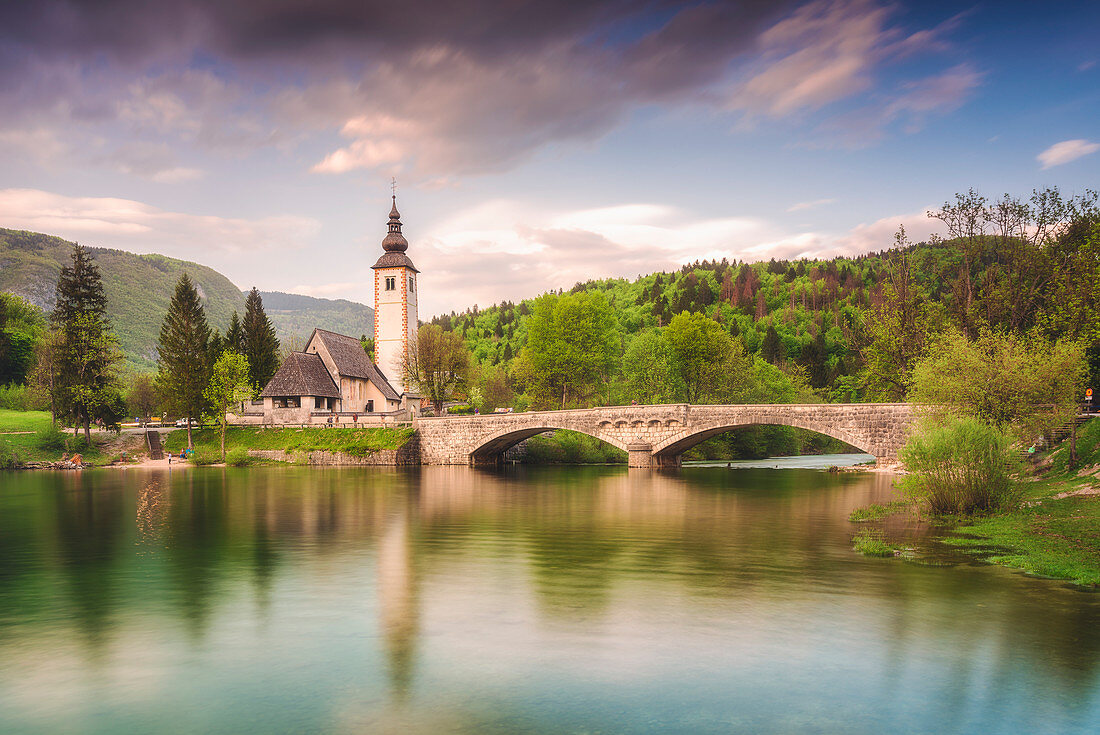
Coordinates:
<point>394,240</point>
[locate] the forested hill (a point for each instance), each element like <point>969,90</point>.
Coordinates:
<point>802,313</point>
<point>139,287</point>
<point>852,327</point>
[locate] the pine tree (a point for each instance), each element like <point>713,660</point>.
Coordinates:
<point>87,355</point>
<point>771,349</point>
<point>183,354</point>
<point>260,345</point>
<point>234,336</point>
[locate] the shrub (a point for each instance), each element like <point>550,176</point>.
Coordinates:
<point>959,465</point>
<point>76,443</point>
<point>9,460</point>
<point>239,457</point>
<point>205,456</point>
<point>51,439</point>
<point>463,409</point>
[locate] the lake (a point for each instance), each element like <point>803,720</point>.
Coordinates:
<point>519,600</point>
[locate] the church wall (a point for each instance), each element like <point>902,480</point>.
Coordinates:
<point>316,346</point>
<point>392,322</point>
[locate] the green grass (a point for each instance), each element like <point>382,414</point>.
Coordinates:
<point>356,442</point>
<point>23,420</point>
<point>878,511</point>
<point>1047,536</point>
<point>873,543</point>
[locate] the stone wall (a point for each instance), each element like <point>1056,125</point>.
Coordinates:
<point>403,456</point>
<point>660,434</point>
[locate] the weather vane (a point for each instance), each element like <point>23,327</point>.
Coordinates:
<point>393,186</point>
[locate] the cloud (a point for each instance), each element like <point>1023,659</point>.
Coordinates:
<point>153,161</point>
<point>1066,151</point>
<point>505,250</point>
<point>800,206</point>
<point>135,226</point>
<point>435,90</point>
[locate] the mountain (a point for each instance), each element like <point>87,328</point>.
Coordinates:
<point>295,316</point>
<point>139,287</point>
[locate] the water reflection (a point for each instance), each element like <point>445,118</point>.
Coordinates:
<point>297,599</point>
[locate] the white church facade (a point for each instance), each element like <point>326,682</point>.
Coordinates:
<point>333,380</point>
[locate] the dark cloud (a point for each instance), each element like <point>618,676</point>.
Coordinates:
<point>428,89</point>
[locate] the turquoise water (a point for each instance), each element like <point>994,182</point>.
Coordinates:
<point>454,600</point>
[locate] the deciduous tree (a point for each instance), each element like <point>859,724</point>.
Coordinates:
<point>707,365</point>
<point>572,343</point>
<point>230,383</point>
<point>1026,384</point>
<point>436,364</point>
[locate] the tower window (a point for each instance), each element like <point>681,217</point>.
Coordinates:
<point>391,283</point>
<point>410,283</point>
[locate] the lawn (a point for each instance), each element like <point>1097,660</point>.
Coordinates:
<point>23,420</point>
<point>357,442</point>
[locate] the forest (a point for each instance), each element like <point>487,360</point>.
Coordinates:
<point>839,330</point>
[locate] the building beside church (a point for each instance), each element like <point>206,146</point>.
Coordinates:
<point>333,380</point>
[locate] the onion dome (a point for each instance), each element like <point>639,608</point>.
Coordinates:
<point>395,242</point>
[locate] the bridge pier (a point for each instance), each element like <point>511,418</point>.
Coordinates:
<point>640,455</point>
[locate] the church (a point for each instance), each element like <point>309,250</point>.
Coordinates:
<point>333,380</point>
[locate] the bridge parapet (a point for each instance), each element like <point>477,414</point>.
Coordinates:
<point>667,430</point>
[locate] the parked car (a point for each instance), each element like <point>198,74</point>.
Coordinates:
<point>182,423</point>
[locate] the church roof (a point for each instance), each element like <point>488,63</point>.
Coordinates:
<point>302,374</point>
<point>395,244</point>
<point>352,360</point>
<point>395,260</point>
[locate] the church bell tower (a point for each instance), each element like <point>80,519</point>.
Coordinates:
<point>395,315</point>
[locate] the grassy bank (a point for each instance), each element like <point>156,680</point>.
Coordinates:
<point>28,436</point>
<point>1054,528</point>
<point>239,439</point>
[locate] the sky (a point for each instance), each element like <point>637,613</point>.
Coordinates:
<point>534,144</point>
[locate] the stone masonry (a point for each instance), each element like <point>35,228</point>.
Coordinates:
<point>658,435</point>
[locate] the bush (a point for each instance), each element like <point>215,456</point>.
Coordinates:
<point>461,410</point>
<point>51,439</point>
<point>205,456</point>
<point>239,457</point>
<point>76,443</point>
<point>19,398</point>
<point>959,465</point>
<point>9,460</point>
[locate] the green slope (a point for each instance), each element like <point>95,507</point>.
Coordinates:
<point>139,287</point>
<point>296,316</point>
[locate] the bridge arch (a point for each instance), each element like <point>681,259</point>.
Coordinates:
<point>488,449</point>
<point>678,443</point>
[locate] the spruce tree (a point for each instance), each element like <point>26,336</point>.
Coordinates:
<point>234,336</point>
<point>771,348</point>
<point>260,345</point>
<point>183,354</point>
<point>87,356</point>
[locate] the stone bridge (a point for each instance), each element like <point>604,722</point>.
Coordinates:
<point>658,435</point>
